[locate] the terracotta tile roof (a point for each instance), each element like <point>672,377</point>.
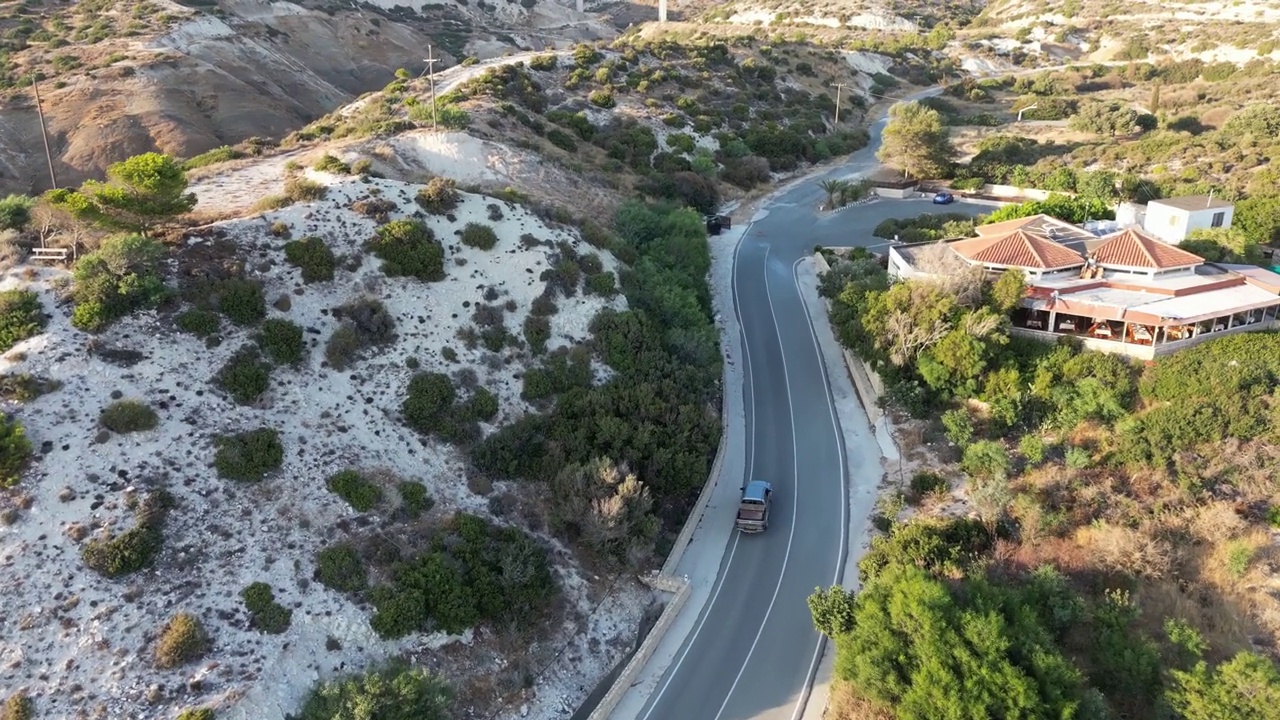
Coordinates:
<point>1018,249</point>
<point>1131,248</point>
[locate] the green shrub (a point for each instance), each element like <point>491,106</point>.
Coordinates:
<point>15,212</point>
<point>21,317</point>
<point>245,376</point>
<point>537,331</point>
<point>128,552</point>
<point>602,98</point>
<point>201,323</point>
<point>562,371</point>
<point>281,340</point>
<point>439,196</point>
<point>339,567</point>
<point>414,499</point>
<point>479,236</point>
<point>300,189</point>
<point>183,640</point>
<point>1077,458</point>
<point>126,416</point>
<point>393,692</point>
<point>15,451</point>
<point>603,284</point>
<point>226,153</point>
<point>331,164</point>
<point>242,301</point>
<point>265,613</point>
<point>543,62</point>
<point>986,459</point>
<point>562,140</point>
<point>926,483</point>
<point>408,247</point>
<point>353,487</point>
<point>343,346</point>
<point>483,405</point>
<point>122,276</point>
<point>24,387</point>
<point>1032,449</point>
<point>476,572</point>
<point>248,456</point>
<point>197,714</point>
<point>18,707</point>
<point>429,404</point>
<point>313,257</point>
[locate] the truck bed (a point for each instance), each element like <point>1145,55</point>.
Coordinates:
<point>751,515</point>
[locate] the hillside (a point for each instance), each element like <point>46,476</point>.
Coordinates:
<point>220,422</point>
<point>1049,31</point>
<point>590,127</point>
<point>119,79</point>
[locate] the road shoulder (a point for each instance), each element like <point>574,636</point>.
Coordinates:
<point>867,450</point>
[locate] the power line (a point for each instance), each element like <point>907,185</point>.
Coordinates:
<point>839,87</point>
<point>43,132</point>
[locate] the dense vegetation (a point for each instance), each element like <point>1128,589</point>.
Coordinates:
<point>656,418</point>
<point>393,692</point>
<point>1119,514</point>
<point>1211,127</point>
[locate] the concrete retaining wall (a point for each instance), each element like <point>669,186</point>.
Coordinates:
<point>668,583</point>
<point>865,380</point>
<point>1009,191</point>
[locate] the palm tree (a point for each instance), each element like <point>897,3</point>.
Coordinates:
<point>832,187</point>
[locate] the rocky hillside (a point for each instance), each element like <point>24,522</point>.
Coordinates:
<point>1108,30</point>
<point>118,78</point>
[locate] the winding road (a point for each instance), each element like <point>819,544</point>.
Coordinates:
<point>752,652</point>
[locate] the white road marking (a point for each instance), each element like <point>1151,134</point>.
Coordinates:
<point>796,471</point>
<point>751,460</point>
<point>844,490</point>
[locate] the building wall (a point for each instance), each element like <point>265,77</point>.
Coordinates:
<point>1167,223</point>
<point>898,268</point>
<point>1172,225</point>
<point>1202,219</point>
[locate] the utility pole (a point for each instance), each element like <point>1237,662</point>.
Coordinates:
<point>839,87</point>
<point>43,132</point>
<point>431,68</point>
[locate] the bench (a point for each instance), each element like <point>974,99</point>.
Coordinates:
<point>49,254</point>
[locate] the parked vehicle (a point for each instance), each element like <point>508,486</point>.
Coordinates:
<point>943,198</point>
<point>716,223</point>
<point>753,509</point>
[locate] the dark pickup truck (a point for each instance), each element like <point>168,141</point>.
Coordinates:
<point>753,509</point>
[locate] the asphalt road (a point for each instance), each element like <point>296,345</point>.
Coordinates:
<point>754,651</point>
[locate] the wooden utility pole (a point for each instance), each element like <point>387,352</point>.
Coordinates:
<point>839,87</point>
<point>431,69</point>
<point>43,132</point>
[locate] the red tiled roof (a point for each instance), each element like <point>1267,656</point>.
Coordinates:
<point>1018,249</point>
<point>1131,248</point>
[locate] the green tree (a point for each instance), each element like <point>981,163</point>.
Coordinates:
<point>1230,245</point>
<point>15,212</point>
<point>915,141</point>
<point>1246,687</point>
<point>122,276</point>
<point>139,192</point>
<point>916,648</point>
<point>1109,118</point>
<point>832,187</point>
<point>394,692</point>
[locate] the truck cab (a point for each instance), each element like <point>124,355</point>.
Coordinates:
<point>753,509</point>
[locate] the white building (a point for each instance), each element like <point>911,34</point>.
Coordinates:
<point>1171,220</point>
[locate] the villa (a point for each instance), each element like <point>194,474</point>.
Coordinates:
<point>1117,289</point>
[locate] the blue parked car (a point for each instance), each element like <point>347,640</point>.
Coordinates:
<point>943,198</point>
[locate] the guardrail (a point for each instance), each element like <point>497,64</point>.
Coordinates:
<point>667,583</point>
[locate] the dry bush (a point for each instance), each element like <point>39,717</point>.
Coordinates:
<point>1215,521</point>
<point>944,268</point>
<point>845,704</point>
<point>1219,619</point>
<point>1126,550</point>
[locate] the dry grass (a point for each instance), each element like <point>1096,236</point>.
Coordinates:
<point>843,704</point>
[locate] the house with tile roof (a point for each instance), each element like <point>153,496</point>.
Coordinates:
<point>1124,292</point>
